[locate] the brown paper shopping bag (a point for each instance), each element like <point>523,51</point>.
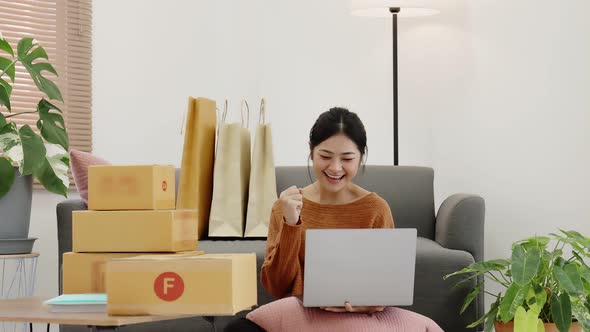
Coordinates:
<point>195,187</point>
<point>230,178</point>
<point>263,188</point>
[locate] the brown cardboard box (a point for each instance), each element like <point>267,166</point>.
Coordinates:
<point>85,272</point>
<point>143,187</point>
<point>195,185</point>
<point>210,284</point>
<point>134,231</point>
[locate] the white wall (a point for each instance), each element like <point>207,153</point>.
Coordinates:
<point>492,94</point>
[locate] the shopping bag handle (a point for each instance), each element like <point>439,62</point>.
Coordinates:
<point>247,108</point>
<point>224,112</point>
<point>262,114</point>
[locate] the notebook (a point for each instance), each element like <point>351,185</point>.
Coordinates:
<point>366,267</point>
<point>78,303</point>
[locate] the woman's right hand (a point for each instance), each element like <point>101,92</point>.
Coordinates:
<point>291,204</point>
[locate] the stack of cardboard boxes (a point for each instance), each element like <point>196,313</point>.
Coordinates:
<point>134,245</point>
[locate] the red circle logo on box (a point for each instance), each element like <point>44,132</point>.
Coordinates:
<point>169,286</point>
<point>164,185</point>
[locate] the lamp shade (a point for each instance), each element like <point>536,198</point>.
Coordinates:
<point>380,8</point>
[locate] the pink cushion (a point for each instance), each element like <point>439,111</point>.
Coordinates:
<point>79,161</point>
<point>288,314</point>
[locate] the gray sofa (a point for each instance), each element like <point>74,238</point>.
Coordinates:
<point>448,241</point>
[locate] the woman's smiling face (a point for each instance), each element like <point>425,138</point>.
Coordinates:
<point>336,162</point>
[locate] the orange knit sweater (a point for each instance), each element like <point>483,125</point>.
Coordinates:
<point>282,271</point>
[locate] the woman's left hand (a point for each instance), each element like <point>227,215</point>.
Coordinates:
<point>358,309</point>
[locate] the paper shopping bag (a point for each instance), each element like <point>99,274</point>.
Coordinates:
<point>230,178</point>
<point>195,186</point>
<point>263,188</point>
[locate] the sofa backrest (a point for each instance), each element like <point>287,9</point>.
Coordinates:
<point>407,189</point>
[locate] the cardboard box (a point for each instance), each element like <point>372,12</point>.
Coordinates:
<point>85,272</point>
<point>210,284</point>
<point>146,187</point>
<point>134,231</point>
<point>195,185</point>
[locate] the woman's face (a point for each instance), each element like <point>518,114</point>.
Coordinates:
<point>336,162</point>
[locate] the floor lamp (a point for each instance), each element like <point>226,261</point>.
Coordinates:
<point>393,9</point>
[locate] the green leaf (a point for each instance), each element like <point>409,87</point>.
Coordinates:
<point>4,96</point>
<point>45,66</point>
<point>53,173</point>
<point>35,70</point>
<point>23,47</point>
<point>6,176</point>
<point>7,86</point>
<point>579,240</point>
<point>525,264</point>
<point>572,242</point>
<point>8,67</point>
<point>52,125</point>
<point>467,279</point>
<point>490,318</point>
<point>537,241</point>
<point>525,321</point>
<point>36,53</point>
<point>470,297</point>
<point>581,312</point>
<point>536,298</point>
<point>482,267</point>
<point>579,237</point>
<point>10,144</point>
<point>586,287</point>
<point>580,260</point>
<point>2,121</point>
<point>569,279</point>
<point>513,299</point>
<point>33,150</point>
<point>561,311</point>
<point>5,46</point>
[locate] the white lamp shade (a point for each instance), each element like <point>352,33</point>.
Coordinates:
<point>380,8</point>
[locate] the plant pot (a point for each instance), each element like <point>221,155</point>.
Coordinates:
<point>15,215</point>
<point>549,327</point>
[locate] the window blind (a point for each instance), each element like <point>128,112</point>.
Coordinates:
<point>64,29</point>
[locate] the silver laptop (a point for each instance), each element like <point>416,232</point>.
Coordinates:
<point>366,267</point>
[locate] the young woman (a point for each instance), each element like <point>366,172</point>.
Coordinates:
<point>338,146</point>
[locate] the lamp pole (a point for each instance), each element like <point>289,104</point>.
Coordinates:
<point>394,11</point>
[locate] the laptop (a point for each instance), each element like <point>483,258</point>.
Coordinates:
<point>366,267</point>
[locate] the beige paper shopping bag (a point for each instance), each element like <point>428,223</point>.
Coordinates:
<point>263,188</point>
<point>195,186</point>
<point>230,178</point>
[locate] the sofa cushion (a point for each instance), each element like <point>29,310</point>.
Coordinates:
<point>80,161</point>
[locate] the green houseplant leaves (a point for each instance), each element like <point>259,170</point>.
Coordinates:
<point>44,155</point>
<point>541,285</point>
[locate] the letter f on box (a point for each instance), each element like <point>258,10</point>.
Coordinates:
<point>168,283</point>
<point>169,286</point>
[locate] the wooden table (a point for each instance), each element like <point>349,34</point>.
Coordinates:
<point>31,310</point>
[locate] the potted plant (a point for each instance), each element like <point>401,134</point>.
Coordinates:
<point>24,153</point>
<point>547,286</point>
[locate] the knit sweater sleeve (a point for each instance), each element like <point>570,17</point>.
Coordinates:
<point>281,262</point>
<point>384,218</point>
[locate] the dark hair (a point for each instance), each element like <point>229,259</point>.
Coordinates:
<point>336,121</point>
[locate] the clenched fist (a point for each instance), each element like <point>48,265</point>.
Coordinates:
<point>291,203</point>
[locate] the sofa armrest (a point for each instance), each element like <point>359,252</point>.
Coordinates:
<point>460,224</point>
<point>436,297</point>
<point>64,228</point>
